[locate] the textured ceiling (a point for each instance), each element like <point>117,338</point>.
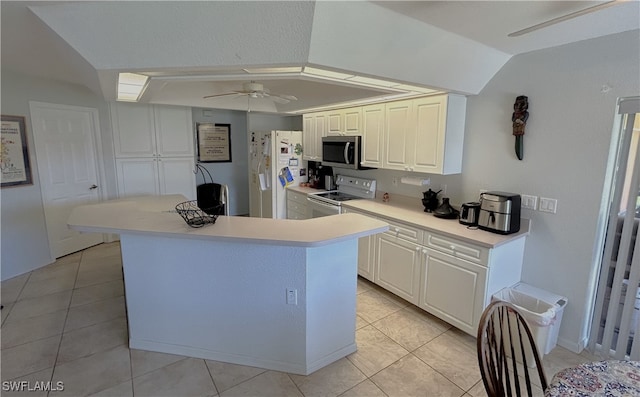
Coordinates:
<point>447,45</point>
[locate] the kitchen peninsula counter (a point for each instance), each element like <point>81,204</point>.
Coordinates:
<point>271,293</point>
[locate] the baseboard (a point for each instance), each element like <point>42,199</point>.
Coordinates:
<point>294,368</point>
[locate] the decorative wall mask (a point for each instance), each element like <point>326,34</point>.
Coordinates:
<point>519,119</point>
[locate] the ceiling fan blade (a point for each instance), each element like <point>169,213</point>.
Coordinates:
<point>566,17</point>
<point>219,95</point>
<point>278,99</point>
<point>289,97</point>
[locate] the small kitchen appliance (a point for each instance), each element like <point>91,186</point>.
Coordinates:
<point>430,200</point>
<point>342,151</point>
<point>445,210</point>
<point>469,213</point>
<point>499,212</point>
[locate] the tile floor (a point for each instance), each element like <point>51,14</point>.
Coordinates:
<point>67,322</point>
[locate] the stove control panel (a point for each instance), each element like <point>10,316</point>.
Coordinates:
<point>361,187</point>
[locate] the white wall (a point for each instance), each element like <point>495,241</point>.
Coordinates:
<point>565,155</point>
<point>236,173</point>
<point>24,239</point>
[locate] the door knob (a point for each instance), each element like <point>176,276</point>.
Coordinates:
<point>93,187</point>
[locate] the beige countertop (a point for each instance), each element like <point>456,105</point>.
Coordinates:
<point>305,190</point>
<point>156,215</point>
<point>409,210</point>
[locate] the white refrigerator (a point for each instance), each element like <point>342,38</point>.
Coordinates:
<point>275,163</point>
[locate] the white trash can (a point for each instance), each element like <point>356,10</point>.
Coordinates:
<point>542,309</point>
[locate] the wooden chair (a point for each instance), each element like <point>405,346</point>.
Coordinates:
<point>505,349</point>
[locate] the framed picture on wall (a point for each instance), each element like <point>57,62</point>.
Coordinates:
<point>14,152</point>
<point>214,142</point>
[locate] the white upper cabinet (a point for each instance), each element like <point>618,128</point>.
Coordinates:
<point>335,122</point>
<point>133,130</point>
<point>141,130</point>
<point>313,129</point>
<point>372,135</point>
<point>399,132</point>
<point>353,121</point>
<point>439,135</point>
<point>174,131</point>
<point>417,135</point>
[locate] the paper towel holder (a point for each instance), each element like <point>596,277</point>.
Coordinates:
<point>415,181</point>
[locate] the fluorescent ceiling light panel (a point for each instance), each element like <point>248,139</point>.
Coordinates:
<point>372,82</point>
<point>131,86</point>
<point>286,69</point>
<point>327,73</point>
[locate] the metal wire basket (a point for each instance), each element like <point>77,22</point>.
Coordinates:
<point>197,217</point>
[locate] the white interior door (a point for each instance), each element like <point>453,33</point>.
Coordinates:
<point>65,142</point>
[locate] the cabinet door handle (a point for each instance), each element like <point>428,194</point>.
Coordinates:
<point>453,247</point>
<point>94,186</point>
<point>424,251</point>
<point>397,230</point>
<point>417,249</point>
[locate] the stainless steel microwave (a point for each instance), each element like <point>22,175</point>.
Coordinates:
<point>342,151</point>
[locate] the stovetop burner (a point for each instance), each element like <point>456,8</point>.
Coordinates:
<point>337,196</point>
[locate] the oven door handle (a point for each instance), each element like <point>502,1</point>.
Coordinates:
<point>346,153</point>
<point>322,203</point>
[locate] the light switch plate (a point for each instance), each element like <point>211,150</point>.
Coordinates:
<point>548,205</point>
<point>529,202</point>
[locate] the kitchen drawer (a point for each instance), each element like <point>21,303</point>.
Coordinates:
<point>403,231</point>
<point>297,206</point>
<point>296,215</point>
<point>457,248</point>
<point>298,197</point>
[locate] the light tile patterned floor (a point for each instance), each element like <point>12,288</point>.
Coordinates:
<point>67,322</point>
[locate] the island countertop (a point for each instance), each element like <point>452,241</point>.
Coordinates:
<point>156,215</point>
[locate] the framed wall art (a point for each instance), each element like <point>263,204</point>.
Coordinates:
<point>14,152</point>
<point>214,142</point>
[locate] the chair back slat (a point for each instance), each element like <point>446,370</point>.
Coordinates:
<point>505,348</point>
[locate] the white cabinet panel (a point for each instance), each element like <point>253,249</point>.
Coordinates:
<point>313,129</point>
<point>174,131</point>
<point>398,266</point>
<point>133,130</point>
<point>399,132</point>
<point>175,176</point>
<point>372,135</point>
<point>453,289</point>
<point>428,146</point>
<point>353,121</point>
<point>154,148</point>
<point>137,177</point>
<point>335,123</point>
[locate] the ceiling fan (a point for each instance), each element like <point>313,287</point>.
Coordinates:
<point>566,17</point>
<point>257,90</point>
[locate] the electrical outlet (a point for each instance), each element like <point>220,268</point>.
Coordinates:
<point>548,205</point>
<point>292,296</point>
<point>529,202</point>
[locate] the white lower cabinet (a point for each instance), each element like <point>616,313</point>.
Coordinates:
<point>451,278</point>
<point>297,205</point>
<point>398,266</point>
<point>452,289</point>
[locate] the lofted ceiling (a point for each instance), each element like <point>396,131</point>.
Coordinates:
<point>201,48</point>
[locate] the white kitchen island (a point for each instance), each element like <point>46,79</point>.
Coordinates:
<point>271,293</point>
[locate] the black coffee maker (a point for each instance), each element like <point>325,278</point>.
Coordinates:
<point>430,200</point>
